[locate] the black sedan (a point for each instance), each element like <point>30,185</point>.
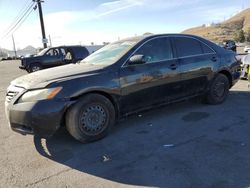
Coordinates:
<point>122,78</point>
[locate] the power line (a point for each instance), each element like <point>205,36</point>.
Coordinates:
<point>23,20</point>
<point>24,15</point>
<point>20,13</point>
<point>20,20</point>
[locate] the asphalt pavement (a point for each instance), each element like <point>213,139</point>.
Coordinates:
<point>188,144</point>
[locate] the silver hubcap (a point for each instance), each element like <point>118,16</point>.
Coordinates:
<point>35,68</point>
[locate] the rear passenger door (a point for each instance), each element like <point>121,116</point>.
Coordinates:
<point>197,61</point>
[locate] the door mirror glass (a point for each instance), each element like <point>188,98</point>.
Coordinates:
<point>137,59</point>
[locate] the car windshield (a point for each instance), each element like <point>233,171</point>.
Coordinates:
<point>110,54</point>
<point>42,52</point>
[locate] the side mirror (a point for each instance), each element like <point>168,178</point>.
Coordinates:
<point>137,59</point>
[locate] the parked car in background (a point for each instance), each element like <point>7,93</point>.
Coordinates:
<point>52,57</point>
<point>9,58</point>
<point>121,78</point>
<point>247,49</point>
<point>230,45</point>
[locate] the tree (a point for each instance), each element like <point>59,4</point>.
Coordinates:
<point>248,35</point>
<point>239,36</point>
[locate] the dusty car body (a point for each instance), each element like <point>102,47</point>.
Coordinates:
<point>120,79</point>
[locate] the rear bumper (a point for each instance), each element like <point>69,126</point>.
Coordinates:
<point>40,118</point>
<point>235,77</point>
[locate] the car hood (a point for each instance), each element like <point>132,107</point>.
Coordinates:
<point>42,78</point>
<point>31,58</point>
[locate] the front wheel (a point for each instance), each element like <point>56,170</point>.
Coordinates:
<point>90,118</point>
<point>218,90</point>
<point>35,67</point>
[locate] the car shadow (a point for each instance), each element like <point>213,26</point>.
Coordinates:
<point>187,144</point>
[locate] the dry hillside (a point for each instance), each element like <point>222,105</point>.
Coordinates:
<point>224,30</point>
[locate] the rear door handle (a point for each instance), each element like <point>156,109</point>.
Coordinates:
<point>214,59</point>
<point>173,66</point>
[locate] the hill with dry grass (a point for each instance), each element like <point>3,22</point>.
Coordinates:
<point>225,30</point>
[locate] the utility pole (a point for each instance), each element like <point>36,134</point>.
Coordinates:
<point>50,41</point>
<point>14,46</point>
<point>41,22</point>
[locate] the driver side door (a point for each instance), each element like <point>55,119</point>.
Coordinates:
<point>143,85</point>
<point>53,57</point>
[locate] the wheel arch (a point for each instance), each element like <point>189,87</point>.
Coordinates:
<point>35,62</point>
<point>109,96</point>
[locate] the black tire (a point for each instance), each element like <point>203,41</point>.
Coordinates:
<point>35,67</point>
<point>218,90</point>
<point>91,118</point>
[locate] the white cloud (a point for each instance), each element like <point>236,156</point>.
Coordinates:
<point>60,25</point>
<point>100,11</point>
<point>167,4</point>
<point>57,25</point>
<point>116,6</point>
<point>219,14</point>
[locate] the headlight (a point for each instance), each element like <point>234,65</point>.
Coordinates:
<point>40,94</point>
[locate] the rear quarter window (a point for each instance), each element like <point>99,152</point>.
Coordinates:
<point>187,46</point>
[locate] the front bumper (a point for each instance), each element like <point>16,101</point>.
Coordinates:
<point>22,67</point>
<point>41,118</point>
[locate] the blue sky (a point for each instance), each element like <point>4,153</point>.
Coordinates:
<point>83,22</point>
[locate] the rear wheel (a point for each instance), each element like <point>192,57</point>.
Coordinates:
<point>35,67</point>
<point>90,118</point>
<point>219,90</point>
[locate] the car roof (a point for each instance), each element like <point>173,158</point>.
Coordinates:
<point>146,37</point>
<point>159,35</point>
<point>70,46</point>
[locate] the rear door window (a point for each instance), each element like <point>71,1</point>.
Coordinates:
<point>187,46</point>
<point>155,50</point>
